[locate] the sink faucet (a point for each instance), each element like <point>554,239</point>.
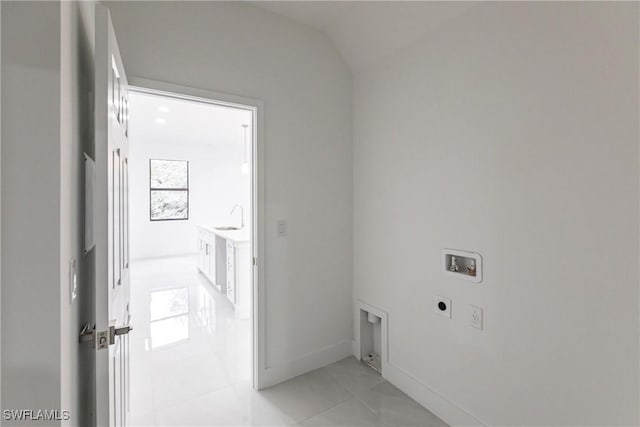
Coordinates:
<point>241,214</point>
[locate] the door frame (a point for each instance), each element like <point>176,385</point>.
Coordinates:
<point>258,285</point>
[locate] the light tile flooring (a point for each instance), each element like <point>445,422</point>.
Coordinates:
<point>190,366</point>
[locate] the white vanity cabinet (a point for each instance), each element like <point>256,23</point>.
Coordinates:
<point>231,271</point>
<point>238,276</point>
<point>224,257</point>
<point>207,256</point>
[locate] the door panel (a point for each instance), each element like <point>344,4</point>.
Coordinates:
<point>125,207</point>
<point>111,222</point>
<point>211,260</point>
<point>116,217</point>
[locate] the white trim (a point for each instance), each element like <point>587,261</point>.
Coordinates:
<point>317,359</point>
<point>445,409</point>
<point>261,376</point>
<point>0,202</point>
<point>194,94</point>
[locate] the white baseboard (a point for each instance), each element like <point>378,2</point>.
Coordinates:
<point>315,360</point>
<point>448,411</point>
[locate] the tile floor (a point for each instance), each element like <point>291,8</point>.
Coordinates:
<point>190,366</point>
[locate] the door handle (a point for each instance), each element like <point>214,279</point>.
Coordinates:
<point>99,338</point>
<point>122,330</point>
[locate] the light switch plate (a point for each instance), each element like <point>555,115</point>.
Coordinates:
<point>282,228</point>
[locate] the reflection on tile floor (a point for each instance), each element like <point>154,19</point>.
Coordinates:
<point>190,366</point>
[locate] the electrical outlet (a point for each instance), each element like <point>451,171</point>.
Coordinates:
<point>442,306</point>
<point>475,316</point>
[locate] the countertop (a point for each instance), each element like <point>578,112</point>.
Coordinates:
<point>239,236</point>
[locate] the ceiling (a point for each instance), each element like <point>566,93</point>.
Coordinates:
<point>367,31</point>
<point>171,120</point>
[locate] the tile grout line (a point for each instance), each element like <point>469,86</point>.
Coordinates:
<point>404,395</point>
<point>353,396</point>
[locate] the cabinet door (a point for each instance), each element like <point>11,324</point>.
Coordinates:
<point>200,253</point>
<point>242,280</point>
<point>231,272</point>
<point>205,257</point>
<point>211,260</point>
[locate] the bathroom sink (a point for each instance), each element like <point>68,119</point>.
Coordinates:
<point>227,228</point>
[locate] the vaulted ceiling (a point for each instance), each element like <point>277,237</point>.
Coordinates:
<point>367,31</point>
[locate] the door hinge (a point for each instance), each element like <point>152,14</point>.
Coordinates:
<point>104,338</point>
<point>255,261</point>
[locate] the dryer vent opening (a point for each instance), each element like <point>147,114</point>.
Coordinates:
<point>371,340</point>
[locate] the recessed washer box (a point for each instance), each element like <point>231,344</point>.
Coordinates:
<point>462,264</point>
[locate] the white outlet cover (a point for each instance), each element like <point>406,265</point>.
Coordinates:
<point>442,310</point>
<point>475,316</point>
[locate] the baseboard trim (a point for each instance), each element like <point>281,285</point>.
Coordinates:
<point>312,361</point>
<point>448,411</point>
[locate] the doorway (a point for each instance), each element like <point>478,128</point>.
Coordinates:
<point>194,187</point>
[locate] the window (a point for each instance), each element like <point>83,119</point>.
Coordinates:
<point>169,187</point>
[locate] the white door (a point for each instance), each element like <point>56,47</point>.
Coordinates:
<point>111,220</point>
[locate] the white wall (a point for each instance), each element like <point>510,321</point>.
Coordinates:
<point>47,68</point>
<point>513,132</point>
<point>239,49</point>
<point>30,205</point>
<point>216,184</point>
